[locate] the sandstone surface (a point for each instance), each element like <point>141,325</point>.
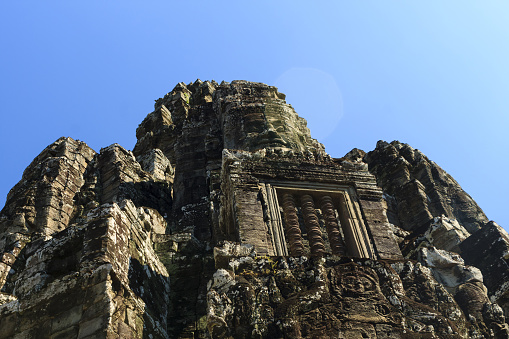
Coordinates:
<point>228,220</point>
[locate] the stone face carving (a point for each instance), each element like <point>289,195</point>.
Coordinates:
<point>292,297</point>
<point>359,282</point>
<point>229,221</point>
<point>255,116</point>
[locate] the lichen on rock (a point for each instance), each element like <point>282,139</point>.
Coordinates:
<point>228,220</point>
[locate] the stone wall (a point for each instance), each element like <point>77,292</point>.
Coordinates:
<point>229,221</point>
<point>98,280</point>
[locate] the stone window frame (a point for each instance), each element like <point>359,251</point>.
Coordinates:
<point>346,205</point>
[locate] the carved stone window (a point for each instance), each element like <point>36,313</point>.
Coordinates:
<point>315,219</point>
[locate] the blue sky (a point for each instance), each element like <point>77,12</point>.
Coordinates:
<point>432,74</point>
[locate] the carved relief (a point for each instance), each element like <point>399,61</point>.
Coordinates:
<point>312,219</point>
<point>356,237</point>
<point>293,233</point>
<point>333,226</point>
<point>331,223</point>
<point>312,225</point>
<point>361,296</point>
<point>276,224</point>
<point>356,281</point>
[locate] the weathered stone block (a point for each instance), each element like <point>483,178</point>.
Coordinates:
<point>488,250</point>
<point>71,332</point>
<point>101,306</point>
<point>176,242</point>
<point>67,319</point>
<point>8,325</point>
<point>96,326</point>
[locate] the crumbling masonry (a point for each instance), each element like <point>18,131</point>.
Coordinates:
<point>227,220</point>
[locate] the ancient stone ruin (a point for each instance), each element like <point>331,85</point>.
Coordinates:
<point>227,220</point>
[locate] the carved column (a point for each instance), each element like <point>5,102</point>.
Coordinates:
<point>331,223</point>
<point>312,225</point>
<point>292,226</point>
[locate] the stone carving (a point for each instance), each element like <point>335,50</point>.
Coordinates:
<point>335,239</point>
<point>184,236</point>
<point>276,224</point>
<point>313,230</point>
<point>292,226</point>
<point>357,282</point>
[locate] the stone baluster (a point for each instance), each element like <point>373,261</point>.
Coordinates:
<point>292,226</point>
<point>331,223</point>
<point>312,225</point>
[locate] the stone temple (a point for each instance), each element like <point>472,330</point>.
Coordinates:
<point>227,220</point>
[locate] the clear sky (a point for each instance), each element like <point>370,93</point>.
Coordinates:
<point>433,74</point>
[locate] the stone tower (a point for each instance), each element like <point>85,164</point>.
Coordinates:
<point>227,220</point>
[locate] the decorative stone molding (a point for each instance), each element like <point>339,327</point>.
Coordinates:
<point>340,219</point>
<point>292,225</point>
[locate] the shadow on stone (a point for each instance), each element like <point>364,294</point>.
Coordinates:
<point>152,194</point>
<point>153,289</point>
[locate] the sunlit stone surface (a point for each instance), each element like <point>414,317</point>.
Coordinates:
<point>227,220</point>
